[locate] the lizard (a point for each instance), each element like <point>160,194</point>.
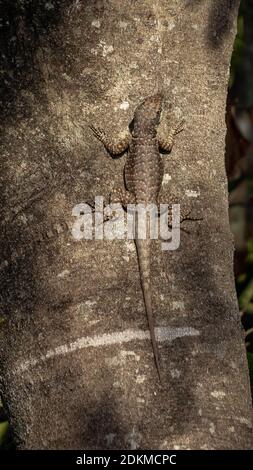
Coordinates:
<point>143,175</point>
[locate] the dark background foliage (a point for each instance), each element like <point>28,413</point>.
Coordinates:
<point>239,155</point>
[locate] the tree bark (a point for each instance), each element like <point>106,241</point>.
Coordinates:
<point>72,374</point>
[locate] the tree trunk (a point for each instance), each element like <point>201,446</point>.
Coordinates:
<point>77,365</point>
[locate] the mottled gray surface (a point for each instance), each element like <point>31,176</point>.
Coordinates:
<point>78,369</point>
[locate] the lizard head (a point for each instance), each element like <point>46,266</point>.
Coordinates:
<point>147,116</point>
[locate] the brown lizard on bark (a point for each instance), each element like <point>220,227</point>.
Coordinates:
<point>144,171</point>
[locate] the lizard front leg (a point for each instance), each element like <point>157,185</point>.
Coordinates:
<point>114,148</point>
<point>166,143</point>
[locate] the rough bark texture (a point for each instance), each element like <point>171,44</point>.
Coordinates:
<point>88,62</point>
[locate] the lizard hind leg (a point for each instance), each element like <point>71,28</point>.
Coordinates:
<point>127,201</point>
<point>123,196</point>
<point>185,216</point>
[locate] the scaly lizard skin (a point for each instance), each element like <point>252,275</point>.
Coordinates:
<point>144,171</point>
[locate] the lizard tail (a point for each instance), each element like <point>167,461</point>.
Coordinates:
<point>143,252</point>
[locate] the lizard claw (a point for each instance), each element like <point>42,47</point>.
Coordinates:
<point>179,127</point>
<point>98,132</point>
